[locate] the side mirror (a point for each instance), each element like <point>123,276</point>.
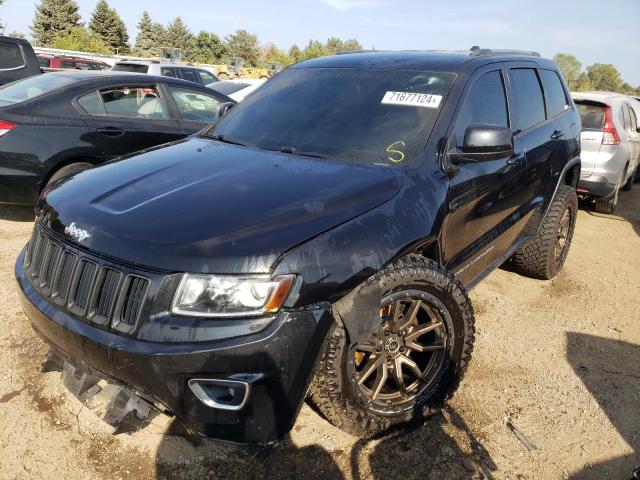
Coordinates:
<point>486,142</point>
<point>224,108</point>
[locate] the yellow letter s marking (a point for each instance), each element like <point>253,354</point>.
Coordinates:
<point>398,152</point>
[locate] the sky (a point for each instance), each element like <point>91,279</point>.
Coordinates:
<point>603,31</point>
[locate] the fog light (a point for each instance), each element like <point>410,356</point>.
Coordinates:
<point>220,394</point>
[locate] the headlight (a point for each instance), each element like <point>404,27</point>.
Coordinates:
<point>230,296</point>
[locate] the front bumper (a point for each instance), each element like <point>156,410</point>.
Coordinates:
<point>279,359</point>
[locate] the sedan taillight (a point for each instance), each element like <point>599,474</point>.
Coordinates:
<point>6,127</point>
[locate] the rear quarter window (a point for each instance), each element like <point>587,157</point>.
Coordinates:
<point>33,87</point>
<point>10,56</point>
<point>554,92</point>
<point>529,99</point>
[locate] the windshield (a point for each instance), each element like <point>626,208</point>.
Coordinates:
<point>368,116</point>
<point>32,87</point>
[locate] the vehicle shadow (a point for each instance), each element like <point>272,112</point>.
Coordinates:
<point>16,213</point>
<point>628,209</point>
<point>610,369</point>
<point>422,450</point>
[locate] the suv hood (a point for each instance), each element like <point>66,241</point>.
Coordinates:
<point>204,206</point>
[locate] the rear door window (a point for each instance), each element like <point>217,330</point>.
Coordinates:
<point>195,105</point>
<point>129,102</point>
<point>528,96</point>
<point>10,56</point>
<point>486,103</point>
<point>554,92</point>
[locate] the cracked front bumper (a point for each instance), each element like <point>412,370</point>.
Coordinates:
<point>281,358</point>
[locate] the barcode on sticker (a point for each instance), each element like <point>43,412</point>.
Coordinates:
<point>411,99</point>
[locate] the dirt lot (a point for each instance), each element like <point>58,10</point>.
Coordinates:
<point>560,358</point>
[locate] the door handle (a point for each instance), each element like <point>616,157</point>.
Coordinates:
<point>557,134</point>
<point>111,131</point>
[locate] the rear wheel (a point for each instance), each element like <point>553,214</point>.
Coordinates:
<point>632,178</point>
<point>412,362</point>
<point>544,255</point>
<point>69,170</point>
<point>608,204</point>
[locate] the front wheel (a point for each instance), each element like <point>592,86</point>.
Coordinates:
<point>413,360</point>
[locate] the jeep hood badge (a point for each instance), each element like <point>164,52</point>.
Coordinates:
<point>78,233</point>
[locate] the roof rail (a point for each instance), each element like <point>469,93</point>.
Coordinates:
<point>476,51</point>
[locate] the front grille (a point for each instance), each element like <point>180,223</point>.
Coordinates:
<point>85,286</point>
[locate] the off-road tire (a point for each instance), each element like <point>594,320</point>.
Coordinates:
<point>333,392</point>
<point>537,258</point>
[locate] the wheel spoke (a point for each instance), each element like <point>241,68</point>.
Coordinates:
<point>411,316</point>
<point>421,331</point>
<point>381,379</point>
<point>399,377</point>
<point>413,366</point>
<point>369,368</point>
<point>366,347</point>
<point>413,345</point>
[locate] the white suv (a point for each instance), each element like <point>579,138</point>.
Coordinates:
<point>167,69</point>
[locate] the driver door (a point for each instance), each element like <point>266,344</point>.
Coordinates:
<point>484,197</point>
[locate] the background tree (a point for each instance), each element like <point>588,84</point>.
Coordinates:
<point>54,18</point>
<point>81,40</point>
<point>314,49</point>
<point>15,34</point>
<point>109,27</point>
<point>570,68</point>
<point>208,48</point>
<point>295,53</point>
<point>179,36</point>
<point>604,76</point>
<point>583,83</point>
<point>1,24</point>
<point>272,54</point>
<point>145,41</point>
<point>244,45</point>
<point>352,45</point>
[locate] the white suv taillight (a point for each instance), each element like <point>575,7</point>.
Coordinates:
<point>6,127</point>
<point>610,136</point>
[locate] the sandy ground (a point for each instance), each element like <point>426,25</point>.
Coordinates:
<point>561,359</point>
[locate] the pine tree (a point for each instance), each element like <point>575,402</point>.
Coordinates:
<point>1,24</point>
<point>54,18</point>
<point>109,27</point>
<point>145,40</point>
<point>179,36</point>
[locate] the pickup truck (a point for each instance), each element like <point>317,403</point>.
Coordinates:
<point>17,60</point>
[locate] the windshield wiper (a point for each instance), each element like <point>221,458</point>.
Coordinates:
<point>295,151</point>
<point>223,139</point>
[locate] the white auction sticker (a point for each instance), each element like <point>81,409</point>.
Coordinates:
<point>411,99</point>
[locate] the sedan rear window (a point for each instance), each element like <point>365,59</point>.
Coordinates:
<point>130,67</point>
<point>10,56</point>
<point>592,115</point>
<point>366,116</point>
<point>32,87</point>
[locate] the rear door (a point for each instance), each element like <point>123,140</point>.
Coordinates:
<point>484,197</point>
<point>196,108</point>
<point>189,74</point>
<point>126,118</point>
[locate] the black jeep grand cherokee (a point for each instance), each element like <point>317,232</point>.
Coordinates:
<point>317,242</point>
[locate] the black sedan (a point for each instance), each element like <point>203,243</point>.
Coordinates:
<point>54,124</point>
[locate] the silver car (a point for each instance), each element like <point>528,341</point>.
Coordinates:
<point>610,146</point>
<point>166,69</point>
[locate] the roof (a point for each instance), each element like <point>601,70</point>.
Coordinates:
<point>98,75</point>
<point>433,60</point>
<point>597,95</point>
